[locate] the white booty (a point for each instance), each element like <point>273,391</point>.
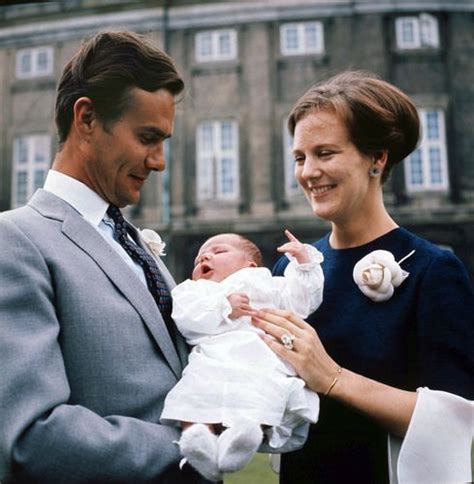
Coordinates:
<point>237,445</point>
<point>199,446</point>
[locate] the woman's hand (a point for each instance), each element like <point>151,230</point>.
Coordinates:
<point>308,356</point>
<point>390,406</point>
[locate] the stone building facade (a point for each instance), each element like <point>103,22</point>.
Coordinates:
<point>245,63</point>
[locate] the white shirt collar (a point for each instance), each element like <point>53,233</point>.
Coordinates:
<point>80,196</point>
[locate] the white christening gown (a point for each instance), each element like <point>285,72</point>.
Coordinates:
<point>232,375</point>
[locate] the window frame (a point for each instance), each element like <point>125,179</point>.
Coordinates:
<point>291,184</point>
<point>302,48</point>
<point>215,55</point>
<point>35,69</point>
<point>427,162</point>
<point>30,167</point>
<point>209,162</point>
<point>425,32</point>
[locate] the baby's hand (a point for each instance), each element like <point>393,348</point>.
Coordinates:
<point>295,248</point>
<point>240,304</point>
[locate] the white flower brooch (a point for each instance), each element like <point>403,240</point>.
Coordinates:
<point>154,242</point>
<point>378,274</point>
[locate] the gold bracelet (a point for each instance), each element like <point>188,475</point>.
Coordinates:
<point>336,378</point>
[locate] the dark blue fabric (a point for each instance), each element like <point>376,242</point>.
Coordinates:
<point>422,336</point>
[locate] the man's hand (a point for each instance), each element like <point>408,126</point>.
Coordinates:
<point>295,248</point>
<point>240,304</point>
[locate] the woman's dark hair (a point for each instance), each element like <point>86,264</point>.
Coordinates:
<point>104,69</point>
<point>378,115</point>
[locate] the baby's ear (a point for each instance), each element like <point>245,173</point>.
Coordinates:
<point>252,264</point>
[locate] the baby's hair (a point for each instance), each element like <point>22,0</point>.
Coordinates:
<point>251,249</point>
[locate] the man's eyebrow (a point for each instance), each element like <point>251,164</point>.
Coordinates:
<point>156,131</point>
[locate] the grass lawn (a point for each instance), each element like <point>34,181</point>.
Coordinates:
<point>258,471</point>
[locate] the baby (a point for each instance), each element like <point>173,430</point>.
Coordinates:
<point>233,380</point>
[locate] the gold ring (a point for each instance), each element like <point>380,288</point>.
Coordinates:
<point>287,340</point>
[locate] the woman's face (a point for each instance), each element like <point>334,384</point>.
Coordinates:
<point>333,173</point>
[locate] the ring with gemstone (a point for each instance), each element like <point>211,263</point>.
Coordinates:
<point>287,340</point>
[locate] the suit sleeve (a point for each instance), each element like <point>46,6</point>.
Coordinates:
<point>42,438</point>
<point>445,314</point>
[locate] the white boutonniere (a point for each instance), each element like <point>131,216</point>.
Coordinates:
<point>154,242</point>
<point>378,274</point>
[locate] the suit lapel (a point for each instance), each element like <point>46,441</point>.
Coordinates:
<point>181,345</point>
<point>86,237</point>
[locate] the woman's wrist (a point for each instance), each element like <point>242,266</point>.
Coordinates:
<point>334,381</point>
<point>390,406</point>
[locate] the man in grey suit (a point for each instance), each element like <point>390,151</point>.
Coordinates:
<point>86,354</point>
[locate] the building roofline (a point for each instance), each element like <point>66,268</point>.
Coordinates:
<point>41,30</point>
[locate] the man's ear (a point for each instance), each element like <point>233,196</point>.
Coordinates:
<point>84,117</point>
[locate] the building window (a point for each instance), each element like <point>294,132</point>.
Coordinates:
<point>217,160</point>
<point>216,45</point>
<point>417,32</point>
<point>31,161</point>
<point>34,62</point>
<point>427,167</point>
<point>291,185</point>
<point>302,38</point>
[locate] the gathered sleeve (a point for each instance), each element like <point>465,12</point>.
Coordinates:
<point>301,287</point>
<point>437,445</point>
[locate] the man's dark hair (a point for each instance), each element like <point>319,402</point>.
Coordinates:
<point>105,69</point>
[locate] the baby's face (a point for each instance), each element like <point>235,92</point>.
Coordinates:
<point>219,257</point>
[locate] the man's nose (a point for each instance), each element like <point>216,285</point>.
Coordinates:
<point>155,159</point>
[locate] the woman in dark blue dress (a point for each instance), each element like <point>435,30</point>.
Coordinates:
<point>398,320</point>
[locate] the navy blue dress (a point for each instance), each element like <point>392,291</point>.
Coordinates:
<point>422,336</point>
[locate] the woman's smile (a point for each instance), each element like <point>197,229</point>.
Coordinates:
<point>320,190</point>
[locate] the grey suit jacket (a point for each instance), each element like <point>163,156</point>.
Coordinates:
<point>85,358</point>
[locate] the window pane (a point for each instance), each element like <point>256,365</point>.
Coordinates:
<point>435,165</point>
<point>206,137</point>
<point>42,61</point>
<point>205,178</point>
<point>432,125</point>
<point>291,38</point>
<point>311,36</point>
<point>205,44</point>
<point>25,63</point>
<point>408,32</point>
<point>21,188</point>
<point>38,180</point>
<point>227,142</point>
<point>21,151</point>
<point>224,43</point>
<point>40,150</point>
<point>429,31</point>
<point>227,178</point>
<point>416,168</point>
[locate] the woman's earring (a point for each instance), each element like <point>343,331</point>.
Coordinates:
<point>374,171</point>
